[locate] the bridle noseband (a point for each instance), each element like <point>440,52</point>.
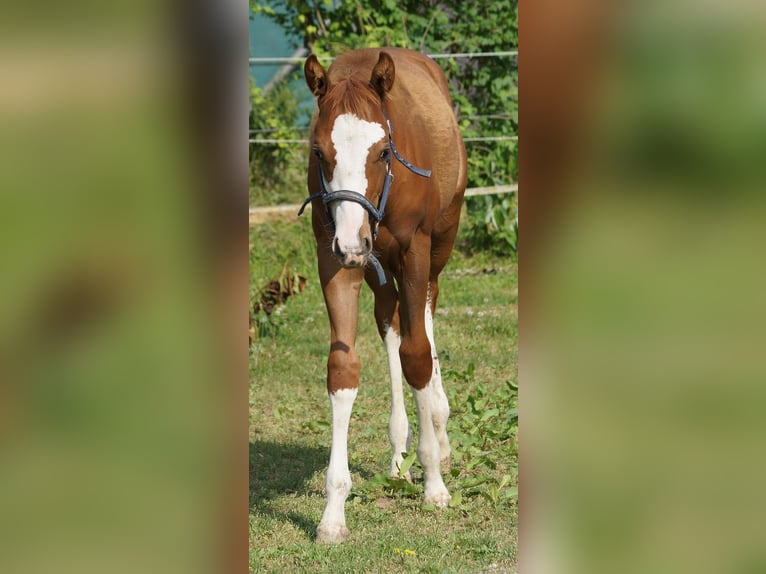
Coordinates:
<point>376,213</point>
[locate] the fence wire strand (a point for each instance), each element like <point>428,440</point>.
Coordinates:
<point>296,60</point>
<point>471,192</point>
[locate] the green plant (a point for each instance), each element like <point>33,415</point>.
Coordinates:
<point>484,90</point>
<point>484,440</point>
<point>277,170</point>
<point>492,224</point>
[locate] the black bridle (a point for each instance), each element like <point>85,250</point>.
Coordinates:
<point>376,213</point>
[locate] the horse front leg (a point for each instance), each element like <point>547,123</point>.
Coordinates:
<point>416,355</point>
<point>341,290</point>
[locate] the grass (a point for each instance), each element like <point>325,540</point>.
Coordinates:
<point>391,530</point>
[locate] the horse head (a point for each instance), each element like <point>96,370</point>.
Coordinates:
<point>351,154</point>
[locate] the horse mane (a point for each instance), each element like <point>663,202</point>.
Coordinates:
<point>350,95</point>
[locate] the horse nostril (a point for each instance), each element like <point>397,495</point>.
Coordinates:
<point>367,244</point>
<point>336,248</point>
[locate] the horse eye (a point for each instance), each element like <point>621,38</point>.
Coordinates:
<point>318,154</point>
<point>384,154</point>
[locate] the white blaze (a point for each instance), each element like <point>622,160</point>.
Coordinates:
<point>352,138</point>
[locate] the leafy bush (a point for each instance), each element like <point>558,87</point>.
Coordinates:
<point>484,89</point>
<point>276,170</point>
<point>492,225</point>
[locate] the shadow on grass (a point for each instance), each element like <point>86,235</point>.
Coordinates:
<point>277,469</point>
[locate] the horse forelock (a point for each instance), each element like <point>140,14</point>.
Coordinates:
<point>351,95</point>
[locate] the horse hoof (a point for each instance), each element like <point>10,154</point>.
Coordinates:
<point>331,534</point>
<point>440,498</point>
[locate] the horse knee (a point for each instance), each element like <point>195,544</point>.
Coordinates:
<point>342,371</point>
<point>417,363</point>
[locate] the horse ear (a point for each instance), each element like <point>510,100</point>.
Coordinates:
<point>383,75</point>
<point>316,77</point>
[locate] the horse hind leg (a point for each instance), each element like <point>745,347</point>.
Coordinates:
<point>399,433</point>
<point>440,410</point>
<point>416,353</point>
<point>428,449</point>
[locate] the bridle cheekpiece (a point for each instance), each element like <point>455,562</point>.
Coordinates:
<point>376,213</point>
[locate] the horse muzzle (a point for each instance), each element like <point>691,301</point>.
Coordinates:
<point>352,256</point>
<point>356,258</point>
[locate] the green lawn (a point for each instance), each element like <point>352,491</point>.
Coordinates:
<point>476,335</point>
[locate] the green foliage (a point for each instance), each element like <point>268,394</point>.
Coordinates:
<point>276,170</point>
<point>483,439</point>
<point>407,463</point>
<point>484,90</point>
<point>268,325</point>
<point>384,485</point>
<point>492,224</point>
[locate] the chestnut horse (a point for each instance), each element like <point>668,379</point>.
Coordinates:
<point>386,179</point>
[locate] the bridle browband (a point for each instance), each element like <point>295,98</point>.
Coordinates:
<point>376,213</point>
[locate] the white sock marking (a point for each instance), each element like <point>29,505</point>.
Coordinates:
<point>439,402</point>
<point>338,477</point>
<point>428,450</point>
<point>398,426</point>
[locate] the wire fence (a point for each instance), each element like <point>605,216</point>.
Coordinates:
<point>462,55</point>
<point>300,59</point>
<point>305,141</point>
<point>260,214</point>
<point>305,128</point>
